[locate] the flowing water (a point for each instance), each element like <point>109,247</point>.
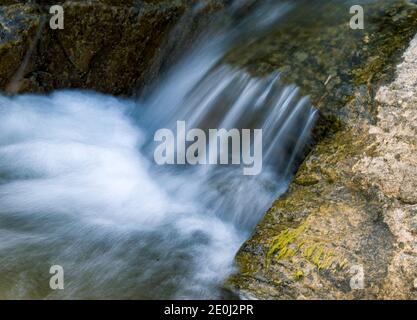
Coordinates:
<point>79,187</point>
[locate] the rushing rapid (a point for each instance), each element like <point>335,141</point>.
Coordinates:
<point>79,187</point>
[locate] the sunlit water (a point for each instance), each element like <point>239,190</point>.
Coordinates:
<point>79,187</point>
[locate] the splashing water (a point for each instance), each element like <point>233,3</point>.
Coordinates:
<point>78,186</point>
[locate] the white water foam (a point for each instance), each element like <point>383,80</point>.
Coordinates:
<point>78,186</point>
<point>74,185</point>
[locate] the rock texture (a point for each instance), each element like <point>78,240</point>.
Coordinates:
<point>108,46</point>
<point>18,24</point>
<point>351,213</point>
<point>392,170</point>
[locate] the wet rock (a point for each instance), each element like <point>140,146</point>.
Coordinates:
<point>18,25</point>
<point>108,46</point>
<point>347,223</point>
<point>328,60</point>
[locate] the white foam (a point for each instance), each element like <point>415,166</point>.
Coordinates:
<point>75,157</point>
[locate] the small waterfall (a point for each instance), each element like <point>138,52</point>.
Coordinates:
<point>79,187</point>
<point>227,99</point>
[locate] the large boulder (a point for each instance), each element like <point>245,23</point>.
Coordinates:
<point>347,227</point>
<point>105,45</point>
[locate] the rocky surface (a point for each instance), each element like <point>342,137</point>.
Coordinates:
<point>108,46</point>
<point>351,211</point>
<point>18,24</point>
<point>327,60</point>
<point>392,170</point>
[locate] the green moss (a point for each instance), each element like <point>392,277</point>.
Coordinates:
<point>298,275</point>
<point>291,242</point>
<point>306,180</point>
<point>285,245</point>
<point>309,251</point>
<point>323,259</point>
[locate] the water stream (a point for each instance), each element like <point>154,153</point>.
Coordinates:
<point>79,187</point>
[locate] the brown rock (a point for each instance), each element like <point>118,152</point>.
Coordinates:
<point>108,46</point>
<point>362,219</point>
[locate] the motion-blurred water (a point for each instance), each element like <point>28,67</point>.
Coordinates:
<point>79,188</point>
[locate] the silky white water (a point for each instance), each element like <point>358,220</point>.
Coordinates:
<point>79,187</point>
